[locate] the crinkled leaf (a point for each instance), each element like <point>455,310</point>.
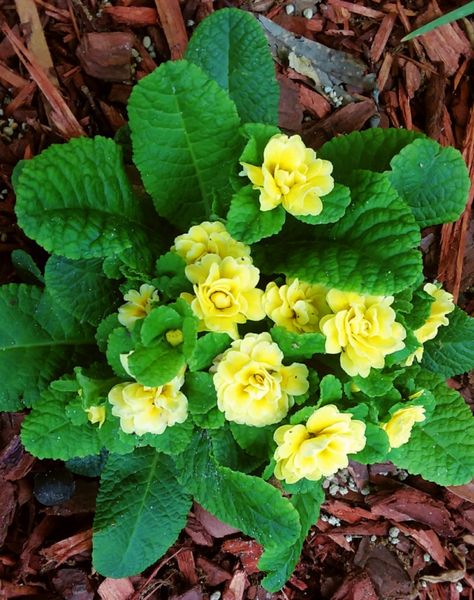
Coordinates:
<point>330,390</point>
<point>298,346</point>
<point>376,448</point>
<point>172,441</point>
<point>433,181</point>
<point>119,342</point>
<point>47,431</point>
<point>372,249</point>
<point>26,268</point>
<point>257,441</point>
<point>38,342</point>
<point>247,223</point>
<point>141,509</point>
<point>75,200</point>
<point>171,279</point>
<point>231,47</point>
<point>442,448</point>
<point>207,348</point>
<point>334,206</point>
<point>155,365</point>
<point>258,136</point>
<point>81,287</point>
<point>185,140</point>
<point>243,501</point>
<point>372,149</point>
<point>451,352</point>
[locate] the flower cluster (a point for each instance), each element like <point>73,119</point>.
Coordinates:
<point>290,175</point>
<point>138,305</point>
<point>320,447</point>
<point>253,386</point>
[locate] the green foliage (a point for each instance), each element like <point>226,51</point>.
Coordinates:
<point>171,279</point>
<point>330,390</point>
<point>334,207</point>
<point>450,17</point>
<point>298,346</point>
<point>448,434</point>
<point>376,448</point>
<point>89,210</point>
<point>433,181</point>
<point>207,348</point>
<point>38,342</point>
<point>141,509</point>
<point>451,352</point>
<point>26,268</point>
<point>231,48</point>
<point>185,139</point>
<point>202,400</point>
<point>370,250</point>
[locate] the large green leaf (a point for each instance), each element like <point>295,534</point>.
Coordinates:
<point>185,140</point>
<point>75,200</point>
<point>451,352</point>
<point>372,249</point>
<point>48,432</point>
<point>39,341</point>
<point>231,47</point>
<point>81,288</point>
<point>141,509</point>
<point>442,450</point>
<point>372,149</point>
<point>243,501</point>
<point>433,181</point>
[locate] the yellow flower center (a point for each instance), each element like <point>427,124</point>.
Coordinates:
<point>174,337</point>
<point>221,300</point>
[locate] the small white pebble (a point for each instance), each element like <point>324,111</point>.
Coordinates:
<point>365,491</point>
<point>324,518</point>
<point>327,89</point>
<point>8,131</point>
<point>459,586</point>
<point>343,491</point>
<point>147,41</point>
<point>426,557</point>
<point>215,596</point>
<point>394,541</point>
<point>424,584</point>
<point>348,538</point>
<point>333,489</point>
<point>190,23</point>
<point>326,483</point>
<point>290,9</point>
<point>308,13</point>
<point>373,538</point>
<point>393,532</point>
<point>1,112</point>
<point>135,53</point>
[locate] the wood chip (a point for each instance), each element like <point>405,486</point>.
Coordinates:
<point>211,524</point>
<point>185,560</point>
<point>237,586</point>
<point>108,55</point>
<point>214,574</point>
<point>11,78</point>
<point>381,37</point>
<point>384,71</point>
<point>358,9</point>
<point>313,102</point>
<point>7,508</point>
<point>173,25</point>
<point>61,551</point>
<point>115,589</point>
<point>134,16</point>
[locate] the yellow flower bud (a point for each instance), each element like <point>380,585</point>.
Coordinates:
<point>144,409</point>
<point>209,238</point>
<point>225,294</point>
<point>319,448</point>
<point>441,306</point>
<point>174,337</point>
<point>96,414</point>
<point>253,386</point>
<point>363,329</point>
<point>297,306</point>
<point>399,427</point>
<point>291,175</point>
<point>138,305</point>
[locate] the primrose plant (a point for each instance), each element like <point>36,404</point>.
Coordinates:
<point>229,317</point>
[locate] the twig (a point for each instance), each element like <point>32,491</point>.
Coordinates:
<point>172,22</point>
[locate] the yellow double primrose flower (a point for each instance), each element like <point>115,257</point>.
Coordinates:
<point>290,175</point>
<point>297,306</point>
<point>225,293</point>
<point>400,424</point>
<point>138,305</point>
<point>143,409</point>
<point>319,448</point>
<point>209,238</point>
<point>253,386</point>
<point>362,329</point>
<point>441,306</point>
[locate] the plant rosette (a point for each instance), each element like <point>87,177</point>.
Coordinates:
<point>182,328</point>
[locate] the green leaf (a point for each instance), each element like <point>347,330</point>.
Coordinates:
<point>433,181</point>
<point>334,207</point>
<point>298,346</point>
<point>47,432</point>
<point>231,48</point>
<point>81,288</point>
<point>376,384</point>
<point>88,466</point>
<point>160,320</point>
<point>105,328</point>
<point>421,308</point>
<point>155,365</point>
<point>330,390</point>
<point>258,136</point>
<point>38,343</point>
<point>247,223</point>
<point>207,348</point>
<point>26,268</point>
<point>450,17</point>
<point>141,510</point>
<point>185,140</point>
<point>172,441</point>
<point>243,501</point>
<point>442,449</point>
<point>451,352</point>
<point>376,448</point>
<point>228,453</point>
<point>171,279</point>
<point>119,342</point>
<point>200,391</point>
<point>280,561</point>
<point>75,200</point>
<point>257,441</point>
<point>372,149</point>
<point>372,249</point>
